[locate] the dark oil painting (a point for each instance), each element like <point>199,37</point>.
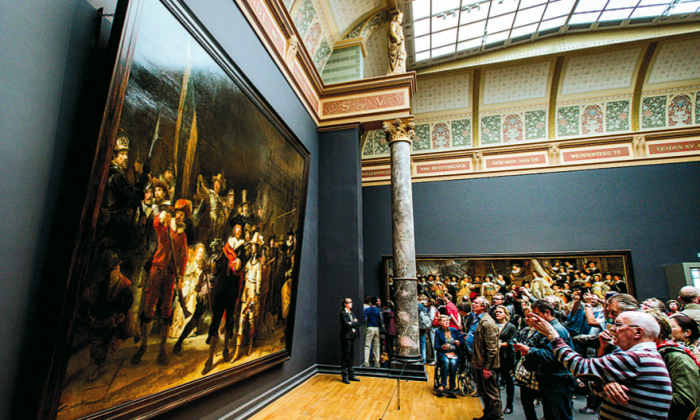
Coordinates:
<point>195,240</point>
<point>558,274</point>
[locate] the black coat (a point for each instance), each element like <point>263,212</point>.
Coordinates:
<point>349,325</point>
<point>506,353</point>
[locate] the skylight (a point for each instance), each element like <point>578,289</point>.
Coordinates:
<point>444,28</point>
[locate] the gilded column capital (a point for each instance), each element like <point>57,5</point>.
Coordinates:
<point>400,129</point>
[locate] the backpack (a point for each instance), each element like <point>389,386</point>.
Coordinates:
<point>423,320</point>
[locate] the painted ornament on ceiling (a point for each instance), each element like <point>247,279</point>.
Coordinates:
<point>592,120</point>
<point>441,136</point>
<point>312,38</point>
<point>679,111</point>
<point>512,128</point>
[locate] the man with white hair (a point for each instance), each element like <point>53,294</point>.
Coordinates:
<point>690,296</point>
<point>637,366</point>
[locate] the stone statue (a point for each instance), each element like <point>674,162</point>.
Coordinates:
<point>397,45</point>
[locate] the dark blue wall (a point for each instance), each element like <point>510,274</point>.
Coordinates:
<point>47,131</point>
<point>340,262</point>
<point>651,210</point>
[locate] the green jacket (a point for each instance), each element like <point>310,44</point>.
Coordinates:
<point>686,382</point>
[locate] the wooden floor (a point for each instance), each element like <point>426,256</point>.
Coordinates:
<point>325,397</point>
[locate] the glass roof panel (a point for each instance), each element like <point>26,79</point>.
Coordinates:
<point>621,4</point>
<point>528,16</point>
<point>490,39</point>
<point>641,12</point>
<point>584,18</point>
<point>421,9</point>
<point>523,30</point>
<point>553,23</point>
<point>468,45</point>
<point>558,8</point>
<point>445,5</point>
<point>653,2</point>
<point>682,8</point>
<point>442,27</point>
<point>422,43</point>
<point>472,30</point>
<point>473,14</point>
<point>500,23</point>
<point>423,56</point>
<point>421,27</point>
<point>443,51</point>
<point>619,14</point>
<point>445,21</point>
<point>443,38</point>
<point>502,7</point>
<point>524,4</point>
<point>590,6</point>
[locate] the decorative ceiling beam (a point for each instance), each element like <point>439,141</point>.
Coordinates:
<point>639,83</point>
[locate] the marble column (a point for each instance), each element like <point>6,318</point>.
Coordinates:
<point>399,136</point>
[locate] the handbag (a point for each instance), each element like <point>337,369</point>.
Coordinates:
<point>525,377</point>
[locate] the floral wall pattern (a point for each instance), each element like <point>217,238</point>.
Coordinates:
<point>592,120</point>
<point>442,93</point>
<point>536,125</point>
<point>376,63</point>
<point>490,129</point>
<point>617,116</point>
<point>422,139</point>
<point>568,121</point>
<point>531,80</point>
<point>583,73</point>
<point>678,109</point>
<point>512,128</point>
<point>462,132</point>
<point>346,11</point>
<point>441,136</point>
<point>676,61</point>
<point>314,31</point>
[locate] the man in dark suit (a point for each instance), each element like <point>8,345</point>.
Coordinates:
<point>349,330</point>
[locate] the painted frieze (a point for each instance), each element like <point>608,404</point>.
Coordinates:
<point>324,51</point>
<point>441,136</point>
<point>654,112</point>
<point>422,139</point>
<point>490,129</point>
<point>592,120</point>
<point>536,125</point>
<point>512,128</point>
<point>568,121</point>
<point>305,15</point>
<point>617,116</point>
<point>461,133</point>
<point>312,38</point>
<point>680,111</point>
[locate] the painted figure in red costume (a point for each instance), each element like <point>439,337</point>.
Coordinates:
<point>166,274</point>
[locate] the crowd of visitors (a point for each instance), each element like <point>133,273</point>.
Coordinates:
<point>631,360</point>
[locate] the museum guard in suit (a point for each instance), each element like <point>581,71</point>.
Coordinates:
<point>349,330</point>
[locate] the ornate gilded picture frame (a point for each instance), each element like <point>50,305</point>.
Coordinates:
<point>186,266</point>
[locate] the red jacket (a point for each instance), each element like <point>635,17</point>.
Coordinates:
<point>162,258</point>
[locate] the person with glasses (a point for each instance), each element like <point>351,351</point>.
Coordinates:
<point>637,366</point>
<point>349,330</point>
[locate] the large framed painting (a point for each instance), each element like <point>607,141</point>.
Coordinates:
<point>185,271</point>
<point>559,274</point>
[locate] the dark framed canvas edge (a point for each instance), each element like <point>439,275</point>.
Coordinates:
<point>117,68</point>
<point>625,253</point>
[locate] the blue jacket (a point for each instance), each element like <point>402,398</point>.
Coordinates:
<point>373,317</point>
<point>440,340</point>
<point>541,357</point>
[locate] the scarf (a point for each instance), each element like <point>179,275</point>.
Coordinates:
<point>669,343</point>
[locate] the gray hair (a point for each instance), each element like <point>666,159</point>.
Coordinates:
<point>644,321</point>
<point>624,301</point>
<point>689,294</point>
<point>484,302</point>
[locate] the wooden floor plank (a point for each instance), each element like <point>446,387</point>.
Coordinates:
<point>324,397</point>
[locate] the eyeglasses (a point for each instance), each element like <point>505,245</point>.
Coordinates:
<point>620,325</point>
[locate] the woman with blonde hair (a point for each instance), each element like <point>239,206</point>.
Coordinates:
<point>506,335</point>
